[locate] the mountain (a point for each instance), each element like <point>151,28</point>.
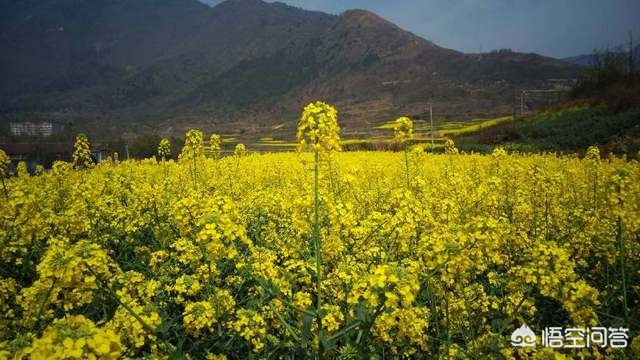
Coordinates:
<point>243,65</point>
<point>588,59</point>
<point>580,60</point>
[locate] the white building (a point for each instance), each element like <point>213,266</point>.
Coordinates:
<point>28,128</point>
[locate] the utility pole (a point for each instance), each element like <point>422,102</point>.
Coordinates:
<point>522,103</point>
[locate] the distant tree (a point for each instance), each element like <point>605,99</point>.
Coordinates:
<point>144,146</point>
<point>501,51</point>
<point>607,67</point>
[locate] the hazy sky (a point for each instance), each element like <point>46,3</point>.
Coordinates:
<point>557,28</point>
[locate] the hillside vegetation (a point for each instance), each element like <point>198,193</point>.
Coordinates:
<point>571,129</point>
<point>166,66</point>
<point>603,109</point>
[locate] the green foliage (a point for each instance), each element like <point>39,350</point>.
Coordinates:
<point>566,130</point>
<point>606,68</point>
<point>144,146</point>
<point>258,80</point>
<point>612,79</point>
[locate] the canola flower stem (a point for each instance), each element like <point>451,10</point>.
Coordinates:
<point>343,331</point>
<point>165,171</point>
<point>318,251</point>
<point>406,165</point>
<point>4,186</point>
<point>288,327</point>
<point>595,188</point>
<point>505,324</point>
<point>331,182</point>
<point>546,217</point>
<point>446,304</point>
<point>622,264</point>
<point>366,332</point>
<point>117,299</point>
<point>45,300</point>
<point>193,169</point>
<point>110,291</point>
<point>434,306</point>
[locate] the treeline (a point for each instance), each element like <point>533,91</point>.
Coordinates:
<point>612,79</point>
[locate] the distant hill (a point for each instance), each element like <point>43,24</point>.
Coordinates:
<point>243,65</point>
<point>587,59</point>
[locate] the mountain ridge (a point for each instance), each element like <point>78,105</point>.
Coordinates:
<point>245,64</point>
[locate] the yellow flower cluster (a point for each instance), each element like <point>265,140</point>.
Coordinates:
<point>145,260</point>
<point>193,146</point>
<point>22,170</point>
<point>332,318</point>
<point>450,147</point>
<point>251,326</point>
<point>68,277</point>
<point>4,163</point>
<point>75,337</point>
<point>593,153</point>
<point>318,128</point>
<point>240,150</point>
<point>82,153</point>
<point>164,149</point>
<point>215,144</point>
<point>197,316</point>
<point>186,285</point>
<point>134,322</point>
<point>402,129</point>
<point>392,286</point>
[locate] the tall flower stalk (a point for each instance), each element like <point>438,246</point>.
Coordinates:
<point>240,150</point>
<point>318,130</point>
<point>402,133</point>
<point>619,180</point>
<point>593,156</point>
<point>193,151</point>
<point>82,153</point>
<point>215,144</point>
<point>164,151</point>
<point>450,147</point>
